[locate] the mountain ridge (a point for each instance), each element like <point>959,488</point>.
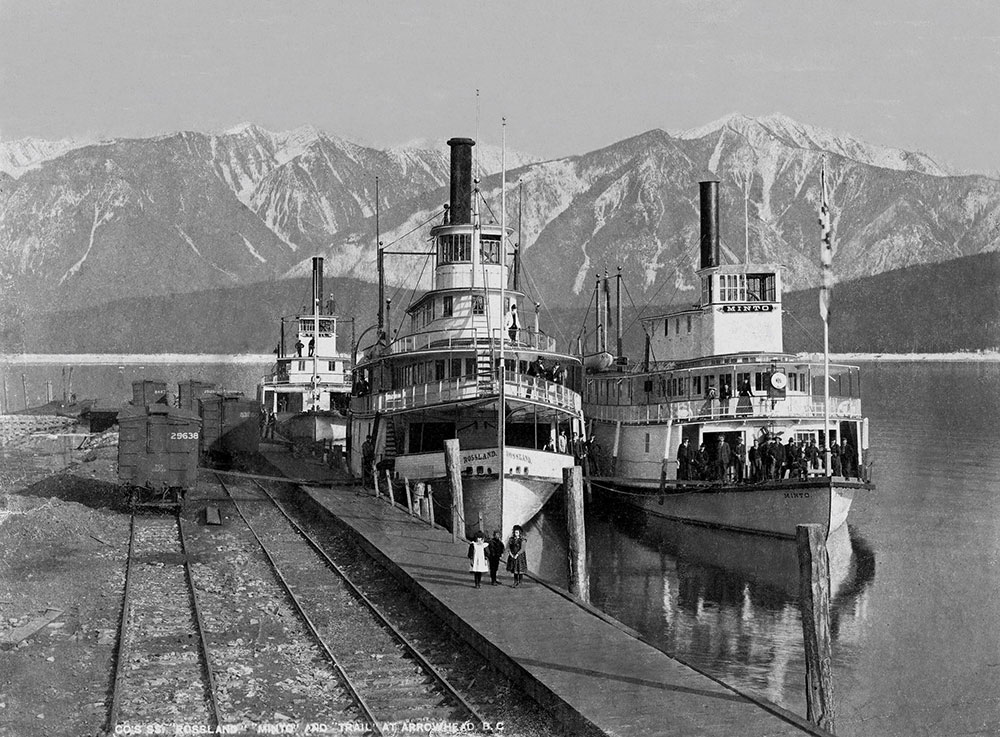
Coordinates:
<point>187,211</point>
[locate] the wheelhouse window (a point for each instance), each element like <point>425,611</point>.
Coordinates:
<point>760,288</point>
<point>706,290</point>
<point>733,288</point>
<point>666,327</point>
<point>689,323</point>
<point>489,249</point>
<point>447,306</point>
<point>454,248</point>
<point>478,305</point>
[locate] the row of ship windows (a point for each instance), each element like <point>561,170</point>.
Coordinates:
<point>429,310</point>
<point>739,288</point>
<point>307,365</point>
<point>697,386</point>
<point>457,248</point>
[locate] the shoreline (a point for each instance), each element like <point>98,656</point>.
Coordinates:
<point>134,359</point>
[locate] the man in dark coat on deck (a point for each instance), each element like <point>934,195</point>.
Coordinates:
<point>739,460</point>
<point>723,456</point>
<point>777,458</point>
<point>846,453</point>
<point>684,460</point>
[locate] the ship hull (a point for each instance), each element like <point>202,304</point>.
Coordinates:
<point>531,478</point>
<point>773,508</point>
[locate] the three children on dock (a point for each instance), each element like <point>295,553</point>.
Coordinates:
<point>485,556</point>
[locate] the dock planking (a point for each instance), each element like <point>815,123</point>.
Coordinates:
<point>590,670</point>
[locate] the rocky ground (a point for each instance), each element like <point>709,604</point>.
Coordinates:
<point>64,529</point>
<point>63,545</point>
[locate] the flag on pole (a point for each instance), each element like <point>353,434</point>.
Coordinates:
<point>826,249</point>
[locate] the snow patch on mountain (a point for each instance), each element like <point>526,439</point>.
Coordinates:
<point>25,154</point>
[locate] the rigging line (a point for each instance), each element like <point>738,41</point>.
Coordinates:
<point>805,330</point>
<point>586,316</point>
<point>412,292</point>
<point>414,228</point>
<point>655,294</point>
<point>545,306</point>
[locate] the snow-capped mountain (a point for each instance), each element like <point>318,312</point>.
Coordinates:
<point>188,211</point>
<point>24,154</point>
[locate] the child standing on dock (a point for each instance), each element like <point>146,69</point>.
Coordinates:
<point>517,561</point>
<point>494,552</point>
<point>477,554</point>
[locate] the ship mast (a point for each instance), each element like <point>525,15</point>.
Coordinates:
<point>501,403</point>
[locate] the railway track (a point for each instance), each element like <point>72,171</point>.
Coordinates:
<point>392,682</point>
<point>163,675</point>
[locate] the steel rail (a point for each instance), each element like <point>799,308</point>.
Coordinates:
<point>400,637</point>
<point>338,668</point>
<point>199,620</point>
<point>122,631</point>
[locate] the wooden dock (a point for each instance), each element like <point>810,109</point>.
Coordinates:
<point>584,666</point>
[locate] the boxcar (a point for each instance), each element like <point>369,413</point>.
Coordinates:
<point>149,392</point>
<point>157,451</point>
<point>230,425</point>
<point>189,392</point>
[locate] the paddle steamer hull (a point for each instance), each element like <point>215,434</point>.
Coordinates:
<point>772,508</point>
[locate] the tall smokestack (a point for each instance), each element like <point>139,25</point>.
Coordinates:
<point>461,180</point>
<point>317,291</point>
<point>709,223</point>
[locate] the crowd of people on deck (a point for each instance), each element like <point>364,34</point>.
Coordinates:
<point>767,459</point>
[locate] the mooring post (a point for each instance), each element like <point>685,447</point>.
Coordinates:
<point>409,496</point>
<point>814,592</point>
<point>388,487</point>
<point>375,478</point>
<point>453,467</point>
<point>579,580</point>
<point>430,504</point>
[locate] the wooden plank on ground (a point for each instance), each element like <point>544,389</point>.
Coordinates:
<point>9,639</point>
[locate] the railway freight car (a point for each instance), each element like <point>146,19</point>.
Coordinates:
<point>190,391</point>
<point>230,426</point>
<point>149,392</point>
<point>157,452</point>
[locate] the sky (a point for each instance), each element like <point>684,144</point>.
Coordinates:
<point>569,77</point>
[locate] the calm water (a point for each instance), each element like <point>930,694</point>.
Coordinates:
<point>915,577</point>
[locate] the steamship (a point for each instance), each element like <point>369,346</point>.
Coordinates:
<point>465,366</point>
<point>307,392</point>
<point>714,378</point>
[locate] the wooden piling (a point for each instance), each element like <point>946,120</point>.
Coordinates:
<point>375,478</point>
<point>453,467</point>
<point>579,580</point>
<point>388,487</point>
<point>409,496</point>
<point>430,504</point>
<point>814,591</point>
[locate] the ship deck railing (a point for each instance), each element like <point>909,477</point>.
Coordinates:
<point>467,388</point>
<point>330,381</point>
<point>466,338</point>
<point>738,408</point>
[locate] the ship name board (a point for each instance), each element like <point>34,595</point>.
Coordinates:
<point>747,308</point>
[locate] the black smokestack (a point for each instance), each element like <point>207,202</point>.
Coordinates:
<point>317,284</point>
<point>461,180</point>
<point>709,223</point>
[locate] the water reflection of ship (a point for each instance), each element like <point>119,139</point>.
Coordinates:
<point>723,601</point>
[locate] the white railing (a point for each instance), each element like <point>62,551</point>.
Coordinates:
<point>738,407</point>
<point>517,386</point>
<point>461,338</point>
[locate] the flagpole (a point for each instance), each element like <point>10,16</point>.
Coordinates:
<point>826,254</point>
<point>502,400</point>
